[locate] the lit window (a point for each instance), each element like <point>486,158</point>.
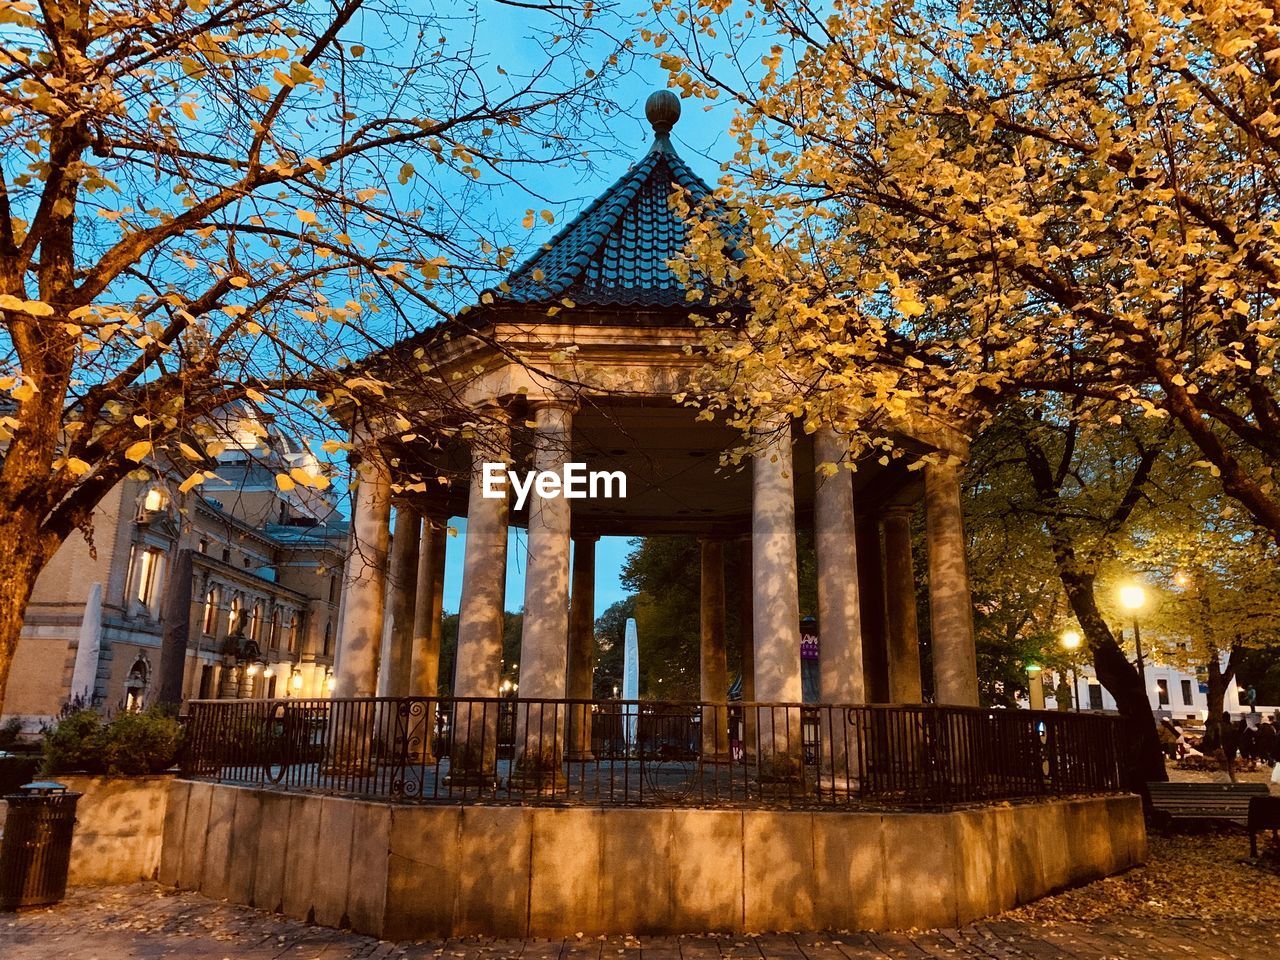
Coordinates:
<point>233,618</point>
<point>294,625</point>
<point>211,611</point>
<point>156,500</point>
<point>150,564</point>
<point>275,629</point>
<point>255,624</point>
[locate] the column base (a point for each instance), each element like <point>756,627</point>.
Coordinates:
<point>579,756</point>
<point>839,786</point>
<point>540,781</point>
<point>716,759</point>
<point>482,779</point>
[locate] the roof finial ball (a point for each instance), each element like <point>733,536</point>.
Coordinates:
<point>663,110</point>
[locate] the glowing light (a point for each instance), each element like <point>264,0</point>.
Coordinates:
<point>1132,596</point>
<point>268,673</point>
<point>1071,639</point>
<point>251,669</point>
<point>331,684</point>
<point>297,681</point>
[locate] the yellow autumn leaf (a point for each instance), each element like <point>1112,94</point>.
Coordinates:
<point>137,451</point>
<point>77,467</point>
<point>284,482</point>
<point>33,307</point>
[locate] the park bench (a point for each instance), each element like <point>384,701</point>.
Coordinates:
<point>1264,814</point>
<point>1203,801</point>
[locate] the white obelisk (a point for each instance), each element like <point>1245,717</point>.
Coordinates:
<point>84,676</point>
<point>630,680</point>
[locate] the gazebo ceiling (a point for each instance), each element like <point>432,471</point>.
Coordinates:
<point>675,483</point>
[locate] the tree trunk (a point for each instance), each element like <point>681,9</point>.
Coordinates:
<point>21,560</point>
<point>1145,760</point>
<point>1219,679</point>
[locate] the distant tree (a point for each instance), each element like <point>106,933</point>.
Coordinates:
<point>206,203</point>
<point>610,637</point>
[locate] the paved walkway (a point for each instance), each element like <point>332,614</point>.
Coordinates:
<point>144,921</point>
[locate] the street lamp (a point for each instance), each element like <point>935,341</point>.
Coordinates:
<point>1071,641</point>
<point>1132,598</point>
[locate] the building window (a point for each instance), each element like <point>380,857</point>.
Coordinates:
<point>1095,695</point>
<point>211,601</point>
<point>234,627</point>
<point>1186,692</point>
<point>1162,689</point>
<point>135,685</point>
<point>226,554</point>
<point>150,563</point>
<point>154,501</point>
<point>328,636</point>
<point>255,623</point>
<point>275,628</point>
<point>294,626</point>
<point>204,545</point>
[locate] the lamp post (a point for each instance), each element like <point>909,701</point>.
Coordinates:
<point>1071,643</point>
<point>1132,598</point>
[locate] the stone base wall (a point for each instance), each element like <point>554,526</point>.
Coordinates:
<point>119,828</point>
<point>404,872</point>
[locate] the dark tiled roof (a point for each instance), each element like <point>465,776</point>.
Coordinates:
<point>615,253</point>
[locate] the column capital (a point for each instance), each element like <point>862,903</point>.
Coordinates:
<point>899,510</point>
<point>492,409</point>
<point>552,401</point>
<point>584,537</point>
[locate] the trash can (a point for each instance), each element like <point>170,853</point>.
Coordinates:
<point>35,851</point>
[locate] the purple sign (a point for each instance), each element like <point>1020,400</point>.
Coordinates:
<point>808,640</point>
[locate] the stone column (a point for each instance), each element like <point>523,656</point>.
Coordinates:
<point>360,629</point>
<point>428,609</point>
<point>875,659</point>
<point>748,651</point>
<point>955,661</point>
<point>776,603</point>
<point>364,582</point>
<point>479,658</point>
<point>544,641</point>
<point>582,646</point>
<point>900,603</point>
<point>839,614</point>
<point>714,659</point>
<point>428,613</point>
<point>397,653</point>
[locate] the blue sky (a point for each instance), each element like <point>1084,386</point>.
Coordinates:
<point>611,554</point>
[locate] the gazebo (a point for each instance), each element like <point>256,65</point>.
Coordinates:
<point>550,813</point>
<point>582,351</point>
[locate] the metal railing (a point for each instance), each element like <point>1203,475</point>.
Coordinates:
<point>451,750</point>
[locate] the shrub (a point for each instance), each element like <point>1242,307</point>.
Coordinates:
<point>138,743</point>
<point>9,733</point>
<point>130,744</point>
<point>76,742</point>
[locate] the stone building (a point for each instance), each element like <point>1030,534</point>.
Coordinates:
<point>260,592</point>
